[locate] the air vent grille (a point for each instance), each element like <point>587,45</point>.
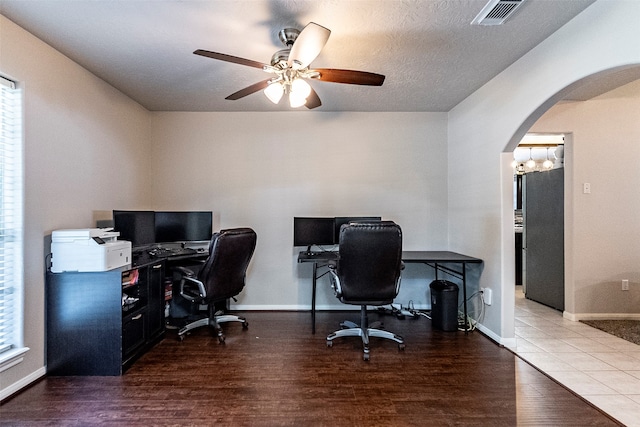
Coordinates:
<point>496,12</point>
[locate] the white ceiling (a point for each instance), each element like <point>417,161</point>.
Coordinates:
<point>430,54</point>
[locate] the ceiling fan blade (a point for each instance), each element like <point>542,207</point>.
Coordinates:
<point>230,58</point>
<point>349,77</point>
<point>313,100</point>
<point>249,90</point>
<point>308,45</point>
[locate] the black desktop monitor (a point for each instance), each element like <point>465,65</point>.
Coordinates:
<point>312,231</point>
<point>183,226</point>
<point>341,220</point>
<point>138,227</point>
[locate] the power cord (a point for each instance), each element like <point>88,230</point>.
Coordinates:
<point>414,313</point>
<point>401,313</point>
<point>411,312</point>
<point>404,312</point>
<point>473,323</point>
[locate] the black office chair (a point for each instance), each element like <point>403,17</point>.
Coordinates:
<point>367,272</point>
<point>222,276</point>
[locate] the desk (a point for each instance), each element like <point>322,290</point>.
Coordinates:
<point>90,329</point>
<point>434,259</point>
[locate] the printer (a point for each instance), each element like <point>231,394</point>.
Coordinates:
<point>88,249</point>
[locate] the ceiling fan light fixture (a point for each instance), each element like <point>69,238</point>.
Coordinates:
<point>274,92</point>
<point>290,65</point>
<point>300,90</point>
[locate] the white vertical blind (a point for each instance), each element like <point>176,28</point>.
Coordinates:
<point>11,268</point>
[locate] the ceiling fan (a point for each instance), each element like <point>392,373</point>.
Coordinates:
<point>290,67</point>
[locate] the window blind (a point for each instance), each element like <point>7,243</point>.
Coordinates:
<point>11,267</point>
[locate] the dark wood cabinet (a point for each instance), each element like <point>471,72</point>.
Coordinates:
<point>100,323</point>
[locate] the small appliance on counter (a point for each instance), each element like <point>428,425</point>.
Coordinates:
<point>88,250</point>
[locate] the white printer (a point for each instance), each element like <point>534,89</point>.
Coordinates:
<point>88,249</point>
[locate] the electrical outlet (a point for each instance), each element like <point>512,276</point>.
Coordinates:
<point>625,285</point>
<point>486,295</point>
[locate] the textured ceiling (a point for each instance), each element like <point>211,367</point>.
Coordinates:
<point>430,54</point>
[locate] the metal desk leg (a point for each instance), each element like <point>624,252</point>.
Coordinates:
<point>464,294</point>
<point>313,299</point>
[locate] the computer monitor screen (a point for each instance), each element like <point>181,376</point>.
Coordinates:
<point>341,220</point>
<point>312,231</point>
<point>138,227</point>
<point>183,226</point>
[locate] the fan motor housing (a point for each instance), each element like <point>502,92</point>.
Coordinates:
<point>288,36</point>
<point>280,57</point>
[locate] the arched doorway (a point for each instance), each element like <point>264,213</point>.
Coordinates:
<point>576,196</point>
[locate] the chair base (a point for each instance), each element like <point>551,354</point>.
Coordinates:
<point>364,331</point>
<point>214,320</point>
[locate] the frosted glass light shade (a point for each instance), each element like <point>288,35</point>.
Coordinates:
<point>300,90</point>
<point>274,92</point>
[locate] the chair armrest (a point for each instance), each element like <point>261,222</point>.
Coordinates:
<point>335,280</point>
<point>184,271</point>
<point>399,278</point>
<point>192,289</point>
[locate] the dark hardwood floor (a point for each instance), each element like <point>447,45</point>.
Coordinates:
<point>277,373</point>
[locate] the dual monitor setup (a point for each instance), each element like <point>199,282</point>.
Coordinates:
<point>146,228</point>
<point>322,231</point>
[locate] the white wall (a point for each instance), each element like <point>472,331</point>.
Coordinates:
<point>605,153</point>
<point>262,169</point>
<point>495,118</point>
<point>85,148</point>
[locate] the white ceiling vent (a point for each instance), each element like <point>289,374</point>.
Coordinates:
<point>496,12</point>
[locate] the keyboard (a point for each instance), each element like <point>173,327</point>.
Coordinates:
<point>183,251</point>
<point>322,254</point>
<point>171,252</point>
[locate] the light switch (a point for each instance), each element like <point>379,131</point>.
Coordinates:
<point>586,188</point>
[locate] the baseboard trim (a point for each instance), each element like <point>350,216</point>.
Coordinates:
<point>24,382</point>
<point>506,342</point>
<point>576,317</point>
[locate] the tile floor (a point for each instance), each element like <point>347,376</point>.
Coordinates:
<point>603,369</point>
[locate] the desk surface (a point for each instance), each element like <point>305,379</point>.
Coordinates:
<point>143,258</point>
<point>437,256</point>
<point>407,257</point>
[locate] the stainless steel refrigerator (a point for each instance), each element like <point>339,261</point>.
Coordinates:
<point>543,237</point>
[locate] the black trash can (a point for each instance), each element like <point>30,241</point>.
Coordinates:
<point>444,305</point>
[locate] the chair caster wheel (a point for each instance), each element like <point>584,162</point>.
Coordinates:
<point>400,346</point>
<point>180,338</point>
<point>365,357</point>
<point>245,325</point>
<point>221,339</point>
<point>329,344</point>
